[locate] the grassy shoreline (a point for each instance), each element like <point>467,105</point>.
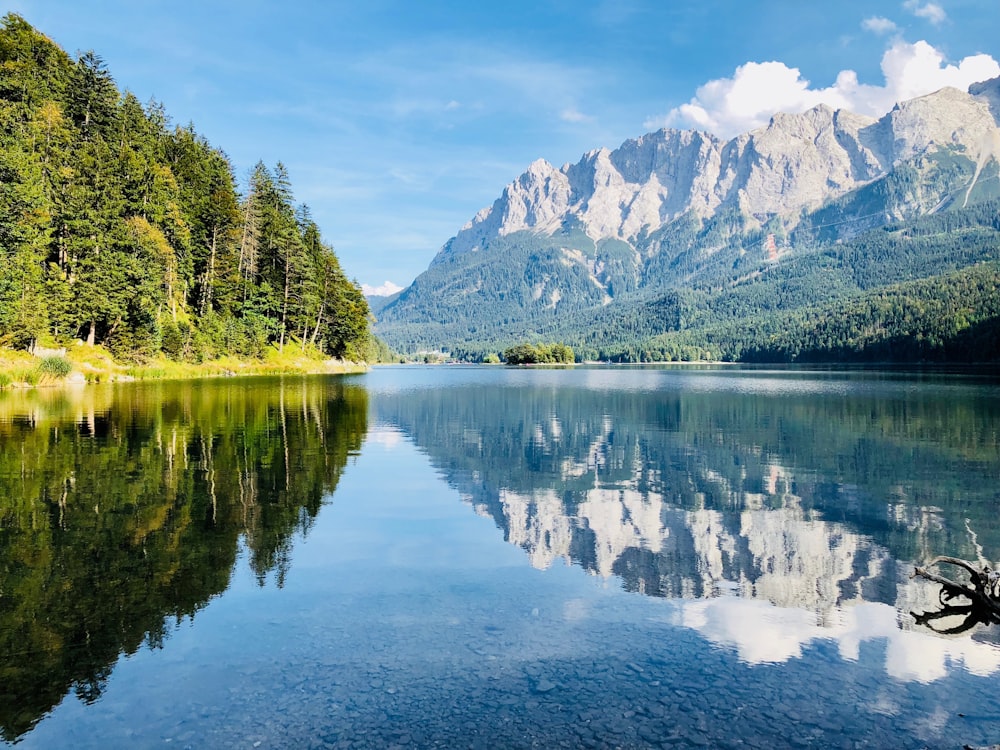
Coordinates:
<point>94,364</point>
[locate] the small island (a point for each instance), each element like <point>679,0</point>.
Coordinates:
<point>538,354</point>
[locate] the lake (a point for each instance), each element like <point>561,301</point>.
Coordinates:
<point>489,557</point>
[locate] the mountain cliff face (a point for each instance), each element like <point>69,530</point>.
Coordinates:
<point>651,214</point>
<point>797,162</point>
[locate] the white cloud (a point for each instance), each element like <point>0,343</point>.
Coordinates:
<point>387,289</point>
<point>931,11</point>
<point>915,69</point>
<point>727,106</point>
<point>574,115</point>
<point>878,25</point>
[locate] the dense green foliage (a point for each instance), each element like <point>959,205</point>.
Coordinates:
<point>538,354</point>
<point>123,511</point>
<point>120,229</point>
<point>950,318</point>
<point>379,352</point>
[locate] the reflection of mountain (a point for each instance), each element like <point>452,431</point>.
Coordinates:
<point>807,494</point>
<point>122,509</point>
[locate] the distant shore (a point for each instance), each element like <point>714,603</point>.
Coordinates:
<point>82,365</point>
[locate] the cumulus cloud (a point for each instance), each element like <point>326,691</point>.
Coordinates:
<point>727,106</point>
<point>387,289</point>
<point>930,11</point>
<point>878,25</point>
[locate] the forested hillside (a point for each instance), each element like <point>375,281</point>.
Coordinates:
<point>922,290</point>
<point>122,229</point>
<point>927,290</point>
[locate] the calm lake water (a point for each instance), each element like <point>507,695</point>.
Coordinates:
<point>490,558</point>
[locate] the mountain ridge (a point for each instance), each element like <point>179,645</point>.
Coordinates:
<point>857,149</point>
<point>676,208</point>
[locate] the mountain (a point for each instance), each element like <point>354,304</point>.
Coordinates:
<point>622,233</point>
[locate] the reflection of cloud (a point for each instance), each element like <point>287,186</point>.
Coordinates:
<point>388,438</point>
<point>763,633</point>
<point>576,610</point>
<point>760,632</point>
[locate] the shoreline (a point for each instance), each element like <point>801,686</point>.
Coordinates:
<point>95,365</point>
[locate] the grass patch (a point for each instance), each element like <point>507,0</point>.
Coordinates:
<point>56,367</point>
<point>96,365</point>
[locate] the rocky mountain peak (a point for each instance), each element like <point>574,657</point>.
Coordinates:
<point>948,117</point>
<point>797,162</point>
<point>988,91</point>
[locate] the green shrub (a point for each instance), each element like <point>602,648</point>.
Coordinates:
<point>172,340</point>
<point>57,367</point>
<point>147,373</point>
<point>5,380</point>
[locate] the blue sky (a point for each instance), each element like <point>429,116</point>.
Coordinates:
<point>398,120</point>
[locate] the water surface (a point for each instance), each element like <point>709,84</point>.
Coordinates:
<point>487,557</point>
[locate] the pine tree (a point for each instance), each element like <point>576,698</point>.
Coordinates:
<point>24,234</point>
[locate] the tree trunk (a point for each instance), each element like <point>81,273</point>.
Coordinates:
<point>206,290</point>
<point>284,309</point>
<point>319,320</point>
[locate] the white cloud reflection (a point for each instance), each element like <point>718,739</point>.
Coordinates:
<point>762,633</point>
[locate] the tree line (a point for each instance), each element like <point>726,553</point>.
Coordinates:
<point>121,229</point>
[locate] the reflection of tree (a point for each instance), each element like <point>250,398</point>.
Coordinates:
<point>982,592</point>
<point>972,615</point>
<point>122,509</point>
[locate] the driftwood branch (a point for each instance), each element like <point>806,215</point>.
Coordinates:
<point>983,589</point>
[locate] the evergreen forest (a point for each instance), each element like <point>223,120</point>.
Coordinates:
<point>121,229</point>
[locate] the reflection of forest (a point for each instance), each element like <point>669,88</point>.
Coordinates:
<point>805,499</point>
<point>123,508</point>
